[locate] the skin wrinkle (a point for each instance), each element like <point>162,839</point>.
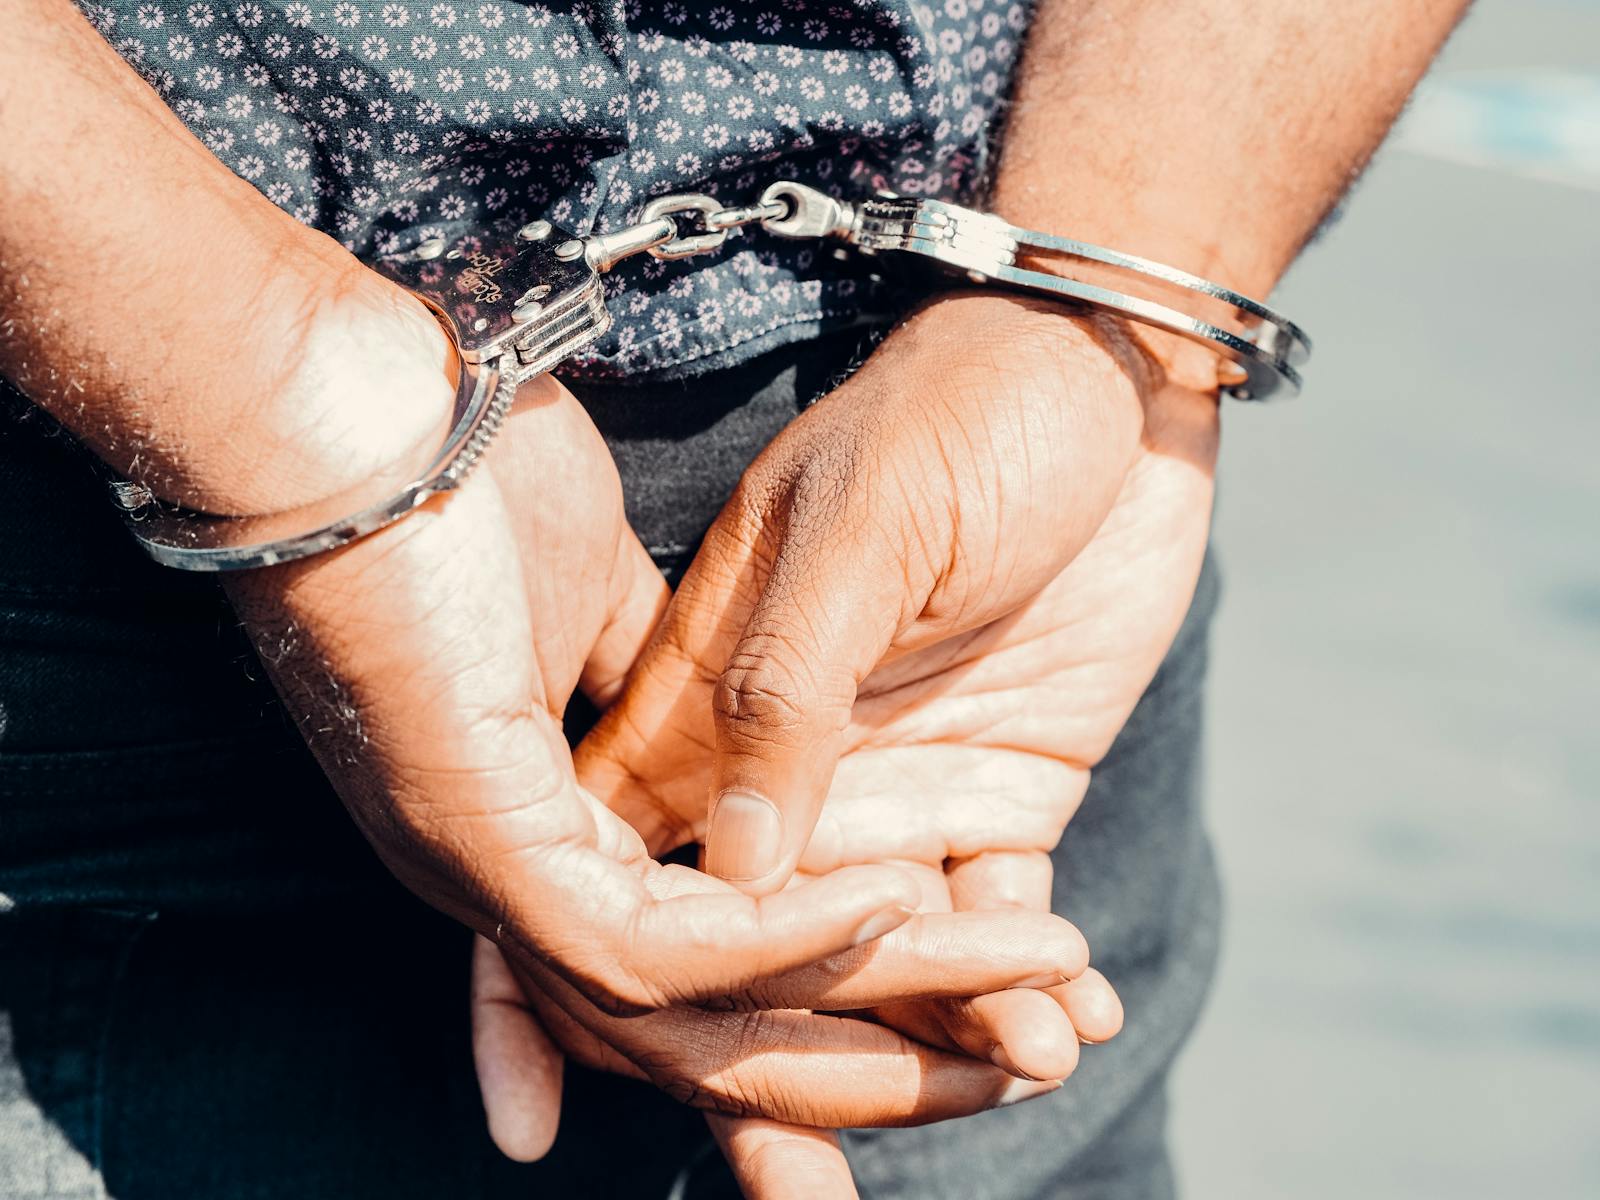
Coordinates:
<point>949,680</point>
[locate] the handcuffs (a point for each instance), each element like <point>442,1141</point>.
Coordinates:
<point>518,305</point>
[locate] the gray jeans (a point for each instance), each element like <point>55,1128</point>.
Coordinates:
<point>209,988</point>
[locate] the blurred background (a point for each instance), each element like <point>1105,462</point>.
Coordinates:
<point>1404,752</point>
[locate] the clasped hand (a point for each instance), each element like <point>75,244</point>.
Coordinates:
<point>931,604</point>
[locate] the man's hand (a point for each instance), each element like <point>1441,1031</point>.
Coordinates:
<point>966,752</point>
<point>939,489</point>
<point>1116,137</point>
<point>962,762</point>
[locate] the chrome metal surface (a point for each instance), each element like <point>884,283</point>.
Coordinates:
<point>603,251</point>
<point>681,246</point>
<point>1266,346</point>
<point>749,214</point>
<point>715,222</point>
<point>484,277</point>
<point>194,541</point>
<point>811,214</point>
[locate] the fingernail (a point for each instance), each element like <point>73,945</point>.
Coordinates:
<point>1048,979</point>
<point>1001,1059</point>
<point>745,840</point>
<point>1019,1090</point>
<point>880,923</point>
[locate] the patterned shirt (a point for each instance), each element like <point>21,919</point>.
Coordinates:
<point>376,120</point>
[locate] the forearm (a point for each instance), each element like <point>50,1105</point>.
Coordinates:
<point>168,314</point>
<point>1213,135</point>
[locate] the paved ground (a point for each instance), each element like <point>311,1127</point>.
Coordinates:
<point>1405,765</point>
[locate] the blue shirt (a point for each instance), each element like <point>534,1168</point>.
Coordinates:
<point>373,120</point>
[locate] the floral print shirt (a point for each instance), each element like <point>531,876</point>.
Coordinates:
<point>378,121</point>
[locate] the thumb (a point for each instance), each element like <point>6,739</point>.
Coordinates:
<point>824,618</point>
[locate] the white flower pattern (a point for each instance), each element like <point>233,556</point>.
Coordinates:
<point>500,112</point>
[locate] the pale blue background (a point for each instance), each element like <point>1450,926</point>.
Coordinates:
<point>1405,741</point>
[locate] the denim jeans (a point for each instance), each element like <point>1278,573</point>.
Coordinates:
<point>210,988</point>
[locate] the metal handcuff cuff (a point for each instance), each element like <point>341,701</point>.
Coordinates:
<point>520,304</point>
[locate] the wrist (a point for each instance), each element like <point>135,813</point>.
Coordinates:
<point>1200,235</point>
<point>364,394</point>
<point>340,381</point>
<point>1039,339</point>
<point>1104,374</point>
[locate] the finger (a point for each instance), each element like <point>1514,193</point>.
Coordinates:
<point>576,1041</point>
<point>697,948</point>
<point>796,1067</point>
<point>1093,1006</point>
<point>649,757</point>
<point>518,1066</point>
<point>631,952</point>
<point>989,881</point>
<point>1030,1034</point>
<point>929,803</point>
<point>639,597</point>
<point>1001,880</point>
<point>773,1161</point>
<point>933,955</point>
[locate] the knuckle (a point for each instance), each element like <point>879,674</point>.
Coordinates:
<point>771,691</point>
<point>756,693</point>
<point>824,484</point>
<point>758,696</point>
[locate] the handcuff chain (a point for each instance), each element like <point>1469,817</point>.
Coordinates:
<point>1262,349</point>
<point>716,221</point>
<point>519,305</point>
